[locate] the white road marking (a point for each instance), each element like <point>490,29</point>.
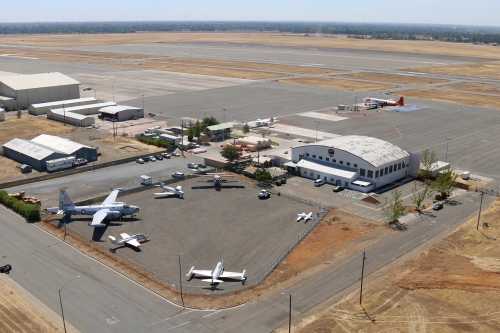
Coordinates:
<point>178,326</point>
<point>171,317</point>
<point>322,116</point>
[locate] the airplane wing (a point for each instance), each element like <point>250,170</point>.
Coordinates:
<point>111,197</point>
<point>98,217</point>
<point>202,273</point>
<point>124,235</point>
<point>232,276</point>
<point>134,242</point>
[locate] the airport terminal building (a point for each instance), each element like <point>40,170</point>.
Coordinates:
<point>356,162</point>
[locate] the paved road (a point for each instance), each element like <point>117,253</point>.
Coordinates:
<point>103,301</point>
<point>87,184</point>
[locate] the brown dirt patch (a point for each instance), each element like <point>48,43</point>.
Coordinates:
<point>393,78</point>
<point>455,97</point>
<point>453,286</point>
<point>21,313</point>
<point>338,234</point>
<point>472,87</point>
<point>289,40</point>
<point>338,83</point>
<point>27,127</point>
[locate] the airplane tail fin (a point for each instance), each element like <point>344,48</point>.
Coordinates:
<point>401,101</point>
<point>112,239</point>
<point>64,200</point>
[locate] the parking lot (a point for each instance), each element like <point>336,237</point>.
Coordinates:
<point>205,226</point>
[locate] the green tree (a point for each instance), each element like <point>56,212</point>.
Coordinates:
<point>209,121</point>
<point>427,159</point>
<point>395,209</point>
<point>231,153</point>
<point>246,128</point>
<point>263,176</point>
<point>444,183</point>
<point>419,196</point>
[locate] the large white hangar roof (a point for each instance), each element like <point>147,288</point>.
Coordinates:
<point>34,81</point>
<point>375,151</point>
<point>29,148</point>
<point>58,144</point>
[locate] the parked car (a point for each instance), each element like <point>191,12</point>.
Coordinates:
<point>152,158</point>
<point>319,182</point>
<point>193,166</point>
<point>159,157</point>
<point>80,161</point>
<point>166,155</point>
<point>437,205</point>
<point>139,160</point>
<point>178,175</point>
<point>264,194</point>
<point>338,189</point>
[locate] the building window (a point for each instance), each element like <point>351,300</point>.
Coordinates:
<point>386,171</point>
<point>362,172</point>
<point>320,157</point>
<point>390,169</point>
<point>314,156</point>
<point>399,166</point>
<point>355,165</point>
<point>395,167</point>
<point>370,174</point>
<point>341,162</point>
<point>381,172</point>
<point>348,163</point>
<point>334,161</point>
<point>307,154</point>
<point>328,158</point>
<point>332,180</point>
<point>376,174</point>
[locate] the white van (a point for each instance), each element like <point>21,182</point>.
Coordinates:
<point>319,182</point>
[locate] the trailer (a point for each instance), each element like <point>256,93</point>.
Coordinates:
<point>60,164</point>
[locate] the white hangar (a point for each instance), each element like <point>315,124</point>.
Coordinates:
<point>357,162</point>
<point>22,90</point>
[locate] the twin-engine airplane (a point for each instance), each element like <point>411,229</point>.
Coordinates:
<point>304,216</point>
<point>169,191</point>
<point>217,275</point>
<point>218,181</point>
<point>109,209</point>
<point>130,240</point>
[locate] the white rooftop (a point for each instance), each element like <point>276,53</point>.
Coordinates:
<point>61,103</point>
<point>326,169</point>
<point>113,109</point>
<point>375,151</point>
<point>33,81</point>
<point>58,144</point>
<point>29,148</point>
<point>67,114</point>
<point>85,107</point>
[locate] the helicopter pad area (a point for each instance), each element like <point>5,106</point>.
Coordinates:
<point>207,225</point>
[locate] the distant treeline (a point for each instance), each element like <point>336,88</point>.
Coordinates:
<point>464,34</point>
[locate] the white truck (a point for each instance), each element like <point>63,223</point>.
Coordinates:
<point>60,164</point>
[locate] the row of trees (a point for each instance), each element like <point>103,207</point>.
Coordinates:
<point>200,127</point>
<point>30,212</point>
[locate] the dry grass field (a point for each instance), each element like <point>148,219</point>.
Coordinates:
<point>489,70</point>
<point>21,313</point>
<point>288,40</point>
<point>454,96</point>
<point>338,83</point>
<point>473,87</point>
<point>393,78</point>
<point>452,287</point>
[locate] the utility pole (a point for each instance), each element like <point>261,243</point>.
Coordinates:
<point>362,278</point>
<point>290,314</point>
<point>446,152</point>
<point>62,309</point>
<point>180,280</point>
<point>317,127</point>
<point>479,213</point>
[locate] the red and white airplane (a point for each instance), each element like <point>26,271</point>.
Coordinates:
<point>385,102</point>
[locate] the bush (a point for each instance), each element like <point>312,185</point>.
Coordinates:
<point>29,211</point>
<point>155,142</point>
<point>263,176</point>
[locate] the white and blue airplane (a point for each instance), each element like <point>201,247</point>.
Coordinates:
<point>217,275</point>
<point>108,209</point>
<point>125,239</point>
<point>169,191</point>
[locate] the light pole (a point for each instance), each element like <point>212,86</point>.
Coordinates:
<point>289,313</point>
<point>479,213</point>
<point>59,291</point>
<point>362,278</point>
<point>180,280</point>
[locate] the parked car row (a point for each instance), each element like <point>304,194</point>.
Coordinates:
<point>154,158</point>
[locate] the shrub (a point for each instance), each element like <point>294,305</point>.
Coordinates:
<point>155,142</point>
<point>29,211</point>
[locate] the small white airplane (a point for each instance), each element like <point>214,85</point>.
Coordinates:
<point>169,191</point>
<point>217,275</point>
<point>126,239</point>
<point>264,122</point>
<point>108,209</point>
<point>304,216</point>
